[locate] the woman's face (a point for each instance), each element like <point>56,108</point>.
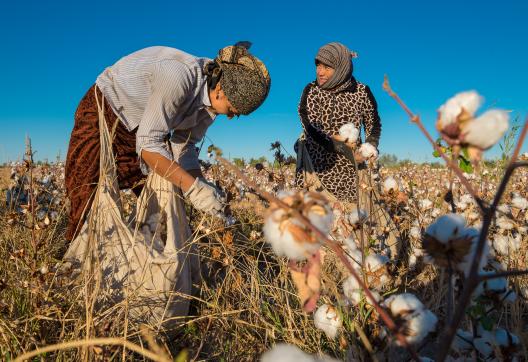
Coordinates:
<point>323,72</point>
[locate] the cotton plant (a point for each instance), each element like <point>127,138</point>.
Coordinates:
<point>291,238</point>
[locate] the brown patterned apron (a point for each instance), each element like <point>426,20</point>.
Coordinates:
<point>82,161</point>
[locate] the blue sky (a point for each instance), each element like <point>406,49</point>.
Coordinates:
<point>53,51</point>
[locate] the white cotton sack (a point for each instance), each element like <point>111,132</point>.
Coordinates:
<point>349,132</point>
<point>486,130</point>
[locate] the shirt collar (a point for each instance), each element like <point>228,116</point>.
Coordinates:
<point>206,101</point>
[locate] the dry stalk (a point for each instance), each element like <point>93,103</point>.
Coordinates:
<point>391,325</point>
<point>94,342</point>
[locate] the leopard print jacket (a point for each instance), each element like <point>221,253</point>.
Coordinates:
<point>322,113</point>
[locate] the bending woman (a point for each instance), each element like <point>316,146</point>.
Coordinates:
<point>334,99</point>
<point>151,96</point>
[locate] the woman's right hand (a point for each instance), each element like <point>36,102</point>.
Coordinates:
<point>205,197</point>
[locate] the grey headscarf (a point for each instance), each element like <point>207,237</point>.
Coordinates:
<point>338,57</point>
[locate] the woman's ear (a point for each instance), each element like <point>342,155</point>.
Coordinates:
<point>217,90</point>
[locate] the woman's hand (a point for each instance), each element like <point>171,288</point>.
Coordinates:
<point>205,197</point>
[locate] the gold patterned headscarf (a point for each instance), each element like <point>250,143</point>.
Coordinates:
<point>244,79</point>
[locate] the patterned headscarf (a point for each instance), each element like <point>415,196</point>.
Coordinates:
<point>245,79</point>
<point>339,57</point>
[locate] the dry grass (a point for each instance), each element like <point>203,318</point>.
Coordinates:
<point>247,302</point>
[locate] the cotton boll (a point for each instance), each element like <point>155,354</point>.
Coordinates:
<point>484,346</point>
<point>447,227</point>
<point>286,353</point>
<point>390,185</point>
<point>504,208</point>
<point>425,204</point>
<point>519,202</point>
<point>368,151</point>
<point>420,325</point>
<point>465,265</point>
<point>461,205</point>
<point>486,130</point>
<point>287,236</point>
<point>463,341</point>
<point>327,319</point>
<point>415,233</point>
<point>321,219</point>
<point>401,304</point>
<point>355,294</point>
<point>501,244</point>
<point>467,198</point>
<point>376,270</point>
<point>435,212</point>
<point>469,101</point>
<point>503,338</point>
<point>353,253</point>
<point>349,132</point>
<point>283,242</point>
<point>504,223</point>
<point>356,217</point>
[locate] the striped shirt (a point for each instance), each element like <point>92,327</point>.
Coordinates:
<point>160,90</point>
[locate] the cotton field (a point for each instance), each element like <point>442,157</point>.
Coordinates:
<point>273,290</point>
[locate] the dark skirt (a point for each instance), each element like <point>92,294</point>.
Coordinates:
<point>82,161</point>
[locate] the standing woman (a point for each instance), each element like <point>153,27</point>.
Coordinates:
<point>151,96</point>
<point>334,99</point>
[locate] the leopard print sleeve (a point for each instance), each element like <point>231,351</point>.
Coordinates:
<point>371,119</point>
